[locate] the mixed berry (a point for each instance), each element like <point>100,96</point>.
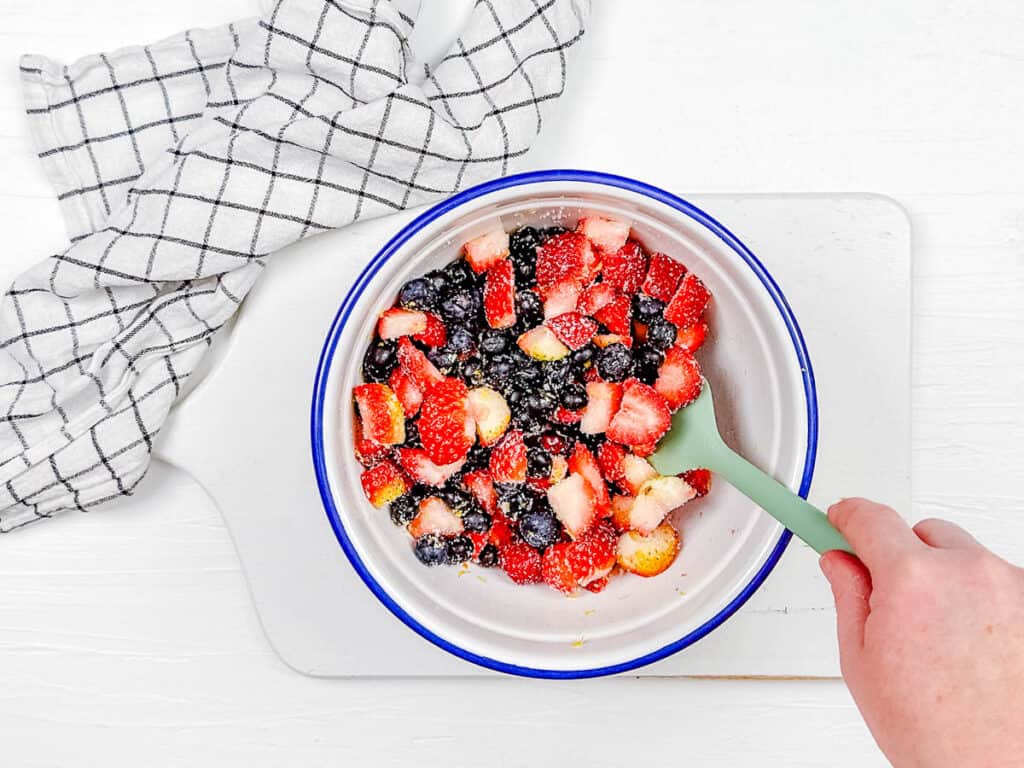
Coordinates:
<point>509,400</point>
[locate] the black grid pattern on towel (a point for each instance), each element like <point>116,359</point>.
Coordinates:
<point>183,165</point>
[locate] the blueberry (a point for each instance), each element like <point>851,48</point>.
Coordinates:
<point>648,359</point>
<point>647,308</point>
<point>539,528</point>
<point>418,294</point>
<point>437,281</point>
<point>523,253</point>
<point>615,362</point>
<point>478,458</point>
<point>457,500</point>
<point>471,371</point>
<point>548,232</point>
<point>459,549</point>
<point>514,398</point>
<point>529,377</point>
<point>431,549</point>
<point>529,309</point>
<point>574,397</point>
<point>556,372</point>
<point>412,434</point>
<point>403,510</point>
<point>541,402</point>
<point>493,342</point>
<point>378,361</point>
<point>458,308</point>
<point>461,340</point>
<point>593,442</point>
<point>499,370</point>
<point>538,462</point>
<point>443,359</point>
<point>661,334</point>
<point>583,355</point>
<point>514,498</point>
<point>459,274</point>
<point>477,521</point>
<point>488,556</point>
<point>524,240</point>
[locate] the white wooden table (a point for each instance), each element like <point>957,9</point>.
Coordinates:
<point>127,636</point>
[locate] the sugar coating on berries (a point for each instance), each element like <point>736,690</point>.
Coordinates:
<point>509,397</point>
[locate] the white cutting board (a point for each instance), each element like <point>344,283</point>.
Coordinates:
<point>843,262</point>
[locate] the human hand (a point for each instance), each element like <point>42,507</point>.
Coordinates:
<point>931,639</point>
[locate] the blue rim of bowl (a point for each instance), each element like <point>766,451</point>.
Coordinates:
<point>327,355</point>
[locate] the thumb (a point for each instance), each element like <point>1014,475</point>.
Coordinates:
<point>851,590</point>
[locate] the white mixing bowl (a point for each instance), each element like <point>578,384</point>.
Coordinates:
<point>764,393</point>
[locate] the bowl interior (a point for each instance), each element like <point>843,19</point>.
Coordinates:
<point>750,359</point>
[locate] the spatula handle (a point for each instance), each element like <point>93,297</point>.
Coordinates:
<point>803,519</point>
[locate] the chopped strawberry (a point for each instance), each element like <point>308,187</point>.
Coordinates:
<point>446,426</point>
<point>656,498</point>
<point>381,413</point>
<point>609,459</point>
<point>603,340</point>
<point>409,395</point>
<point>644,449</point>
<point>626,268</point>
<point>563,415</point>
<point>500,534</point>
<point>573,329</point>
<point>635,472</point>
<point>418,466</point>
<point>699,480</point>
<point>435,517</point>
<point>621,506</point>
<point>480,485</point>
<point>595,297</point>
<point>540,343</point>
<point>648,555</point>
<point>488,249</point>
<point>368,451</point>
<point>643,416</point>
<point>616,315</point>
<point>603,400</point>
<point>567,256</point>
<point>688,302</point>
<point>693,337</point>
<point>522,563</point>
<point>500,295</point>
<point>679,380</point>
<point>539,484</point>
<point>383,483</point>
<point>508,459</point>
<point>556,570</point>
<point>592,374</point>
<point>490,412</point>
<point>663,276</point>
<point>479,542</point>
<point>607,234</point>
<point>435,334</point>
<point>415,363</point>
<point>396,322</point>
<point>592,555</point>
<point>574,504</point>
<point>639,331</point>
<point>559,469</point>
<point>561,298</point>
<point>583,463</point>
<point>597,585</point>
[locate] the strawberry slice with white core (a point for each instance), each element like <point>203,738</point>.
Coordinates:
<point>500,295</point>
<point>540,343</point>
<point>572,329</point>
<point>679,380</point>
<point>621,505</point>
<point>416,364</point>
<point>395,322</point>
<point>409,395</point>
<point>655,499</point>
<point>421,469</point>
<point>583,463</point>
<point>595,298</point>
<point>565,257</point>
<point>603,399</point>
<point>648,555</point>
<point>486,250</point>
<point>561,298</point>
<point>490,412</point>
<point>606,234</point>
<point>435,516</point>
<point>635,472</point>
<point>383,419</point>
<point>480,485</point>
<point>643,416</point>
<point>574,504</point>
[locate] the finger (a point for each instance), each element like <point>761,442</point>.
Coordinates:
<point>877,534</point>
<point>851,590</point>
<point>944,535</point>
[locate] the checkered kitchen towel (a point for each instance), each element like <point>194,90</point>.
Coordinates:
<point>182,165</point>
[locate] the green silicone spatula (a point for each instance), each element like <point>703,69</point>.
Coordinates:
<point>693,441</point>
